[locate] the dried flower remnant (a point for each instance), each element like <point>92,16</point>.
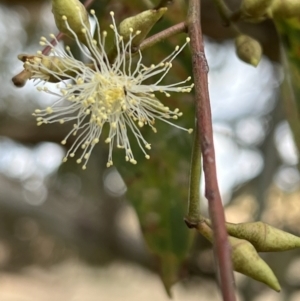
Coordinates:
<point>104,92</point>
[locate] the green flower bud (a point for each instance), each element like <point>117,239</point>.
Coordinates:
<point>71,14</point>
<point>254,10</point>
<point>140,25</point>
<point>248,49</point>
<point>245,259</point>
<point>264,237</point>
<point>284,9</point>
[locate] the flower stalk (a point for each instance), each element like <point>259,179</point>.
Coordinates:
<point>193,215</point>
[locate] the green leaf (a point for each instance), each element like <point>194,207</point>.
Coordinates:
<point>289,32</point>
<point>158,190</point>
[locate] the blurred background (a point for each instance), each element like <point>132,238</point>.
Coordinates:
<point>68,234</point>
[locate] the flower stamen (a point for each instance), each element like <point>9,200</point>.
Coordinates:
<point>104,92</point>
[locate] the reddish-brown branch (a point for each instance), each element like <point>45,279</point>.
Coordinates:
<point>204,124</point>
<point>162,35</point>
<point>47,49</point>
<point>88,3</point>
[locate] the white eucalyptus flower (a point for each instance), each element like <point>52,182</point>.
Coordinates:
<point>102,92</point>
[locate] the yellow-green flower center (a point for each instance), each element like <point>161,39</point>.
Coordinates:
<point>113,96</point>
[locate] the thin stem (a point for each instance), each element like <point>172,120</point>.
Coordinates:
<point>223,11</point>
<point>88,3</point>
<point>204,124</point>
<point>162,35</point>
<point>193,216</point>
<point>53,42</point>
<point>205,230</point>
<point>156,38</point>
<point>163,3</point>
<point>226,14</point>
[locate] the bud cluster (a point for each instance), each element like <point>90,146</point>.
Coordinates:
<point>246,240</point>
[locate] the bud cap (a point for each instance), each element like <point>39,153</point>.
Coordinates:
<point>73,13</point>
<point>248,49</point>
<point>141,23</point>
